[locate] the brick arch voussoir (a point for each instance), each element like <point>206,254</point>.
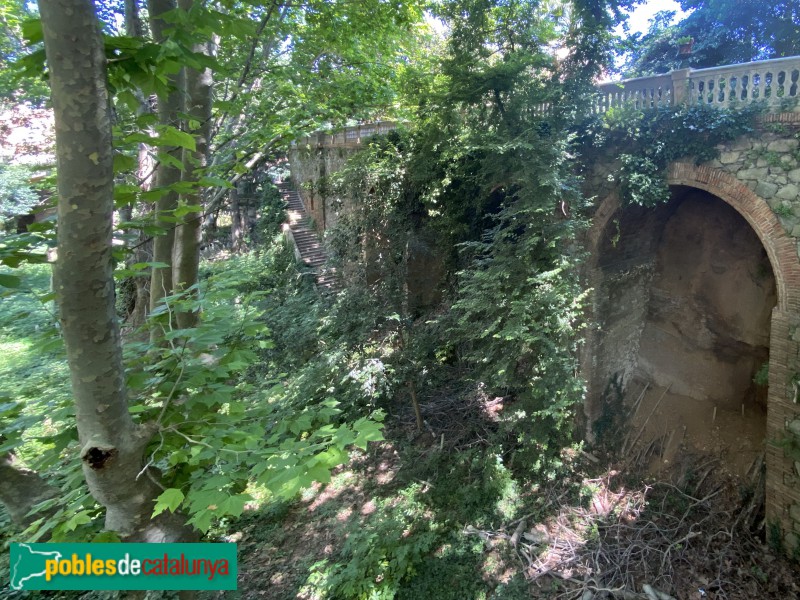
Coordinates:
<point>780,247</point>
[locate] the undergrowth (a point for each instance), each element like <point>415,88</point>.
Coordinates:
<point>33,368</point>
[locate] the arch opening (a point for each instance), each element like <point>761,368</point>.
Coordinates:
<point>684,296</point>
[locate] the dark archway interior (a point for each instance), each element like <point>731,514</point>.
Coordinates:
<point>685,295</point>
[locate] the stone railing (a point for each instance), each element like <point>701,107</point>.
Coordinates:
<point>641,93</point>
<point>773,81</point>
<point>349,136</point>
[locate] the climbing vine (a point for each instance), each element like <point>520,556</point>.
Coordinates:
<point>645,142</point>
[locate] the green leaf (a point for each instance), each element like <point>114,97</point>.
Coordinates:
<point>234,505</point>
<point>123,163</point>
<point>170,499</point>
<point>214,182</point>
<point>9,281</point>
<point>154,195</point>
<point>42,226</point>
<point>149,265</point>
<point>202,520</point>
<point>317,473</point>
<point>187,209</point>
<point>169,160</point>
<point>106,537</point>
<point>333,457</point>
<point>368,431</point>
<point>171,136</point>
<point>81,518</point>
<point>301,424</point>
<point>32,31</point>
<point>129,99</point>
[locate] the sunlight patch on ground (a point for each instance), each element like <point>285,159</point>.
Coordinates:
<point>9,350</point>
<point>339,483</point>
<point>554,545</point>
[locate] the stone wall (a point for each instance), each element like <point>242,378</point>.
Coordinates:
<point>641,307</point>
<point>310,167</point>
<point>768,163</point>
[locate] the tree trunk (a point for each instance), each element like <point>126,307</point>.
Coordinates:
<point>241,222</point>
<point>143,246</point>
<point>252,221</point>
<point>237,234</point>
<point>169,107</point>
<point>22,489</point>
<point>112,445</point>
<point>186,248</point>
<point>133,23</point>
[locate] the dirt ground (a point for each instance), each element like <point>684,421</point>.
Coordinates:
<point>676,426</point>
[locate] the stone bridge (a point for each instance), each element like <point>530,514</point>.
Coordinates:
<point>696,298</point>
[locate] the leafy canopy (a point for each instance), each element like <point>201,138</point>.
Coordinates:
<point>724,32</point>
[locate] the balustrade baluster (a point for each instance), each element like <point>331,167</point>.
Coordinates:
<point>769,79</point>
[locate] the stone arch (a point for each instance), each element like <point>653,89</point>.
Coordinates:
<point>778,244</point>
<point>780,247</point>
<point>783,476</point>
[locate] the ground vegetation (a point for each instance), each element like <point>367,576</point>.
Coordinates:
<point>369,441</point>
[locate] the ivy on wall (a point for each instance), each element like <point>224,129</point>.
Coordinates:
<point>645,142</point>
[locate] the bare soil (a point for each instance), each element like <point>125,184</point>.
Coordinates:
<point>676,426</point>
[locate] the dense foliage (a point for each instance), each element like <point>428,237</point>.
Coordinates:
<point>17,196</point>
<point>640,144</point>
<point>274,386</point>
<point>475,138</point>
<point>723,32</point>
<point>484,173</point>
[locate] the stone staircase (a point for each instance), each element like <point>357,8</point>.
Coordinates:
<point>308,247</point>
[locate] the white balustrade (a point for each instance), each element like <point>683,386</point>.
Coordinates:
<point>642,93</point>
<point>772,81</point>
<point>349,136</point>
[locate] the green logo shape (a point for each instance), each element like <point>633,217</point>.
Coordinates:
<point>123,566</point>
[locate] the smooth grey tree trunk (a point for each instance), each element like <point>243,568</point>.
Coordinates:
<point>237,229</point>
<point>186,248</point>
<point>143,246</point>
<point>111,444</point>
<point>133,23</point>
<point>21,490</point>
<point>169,107</point>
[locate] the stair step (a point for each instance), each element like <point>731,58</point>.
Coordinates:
<point>311,249</point>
